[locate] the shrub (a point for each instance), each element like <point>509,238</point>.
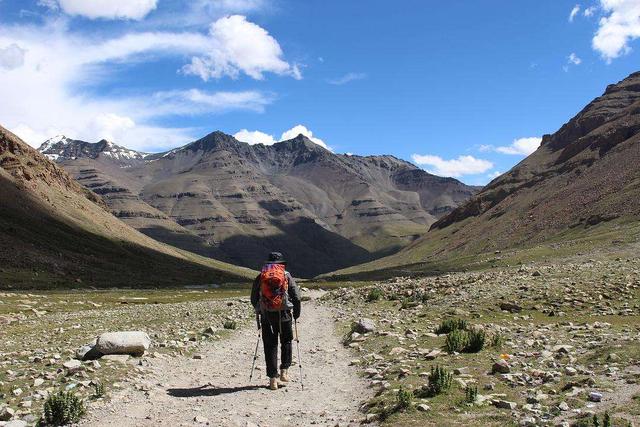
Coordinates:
<point>408,303</point>
<point>374,295</point>
<point>497,340</point>
<point>439,382</point>
<point>475,341</point>
<point>471,394</point>
<point>98,390</point>
<point>450,325</point>
<point>606,420</point>
<point>405,399</point>
<point>456,341</point>
<point>63,408</point>
<point>230,324</point>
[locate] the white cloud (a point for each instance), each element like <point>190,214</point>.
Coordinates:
<point>257,137</point>
<point>349,77</point>
<point>41,96</point>
<point>590,11</point>
<point>12,57</point>
<point>463,165</point>
<point>574,12</point>
<point>254,137</point>
<point>105,9</point>
<point>236,45</point>
<point>620,26</point>
<point>494,175</point>
<point>521,146</point>
<point>302,130</point>
<point>574,59</point>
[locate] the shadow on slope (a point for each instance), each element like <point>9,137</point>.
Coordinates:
<point>38,250</point>
<point>309,248</point>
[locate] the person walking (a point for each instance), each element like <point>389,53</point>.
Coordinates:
<point>276,299</point>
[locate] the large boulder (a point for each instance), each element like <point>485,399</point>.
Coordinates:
<point>134,343</point>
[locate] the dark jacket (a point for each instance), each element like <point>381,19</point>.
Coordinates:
<point>293,300</point>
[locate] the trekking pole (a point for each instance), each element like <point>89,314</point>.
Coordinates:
<point>255,354</point>
<point>295,321</point>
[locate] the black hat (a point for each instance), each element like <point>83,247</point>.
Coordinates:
<point>276,258</point>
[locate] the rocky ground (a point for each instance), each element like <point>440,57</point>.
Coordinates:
<point>40,332</point>
<point>562,344</point>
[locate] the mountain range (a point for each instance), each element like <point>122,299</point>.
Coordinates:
<point>228,200</point>
<point>579,188</point>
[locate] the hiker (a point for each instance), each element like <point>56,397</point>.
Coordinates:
<point>274,295</point>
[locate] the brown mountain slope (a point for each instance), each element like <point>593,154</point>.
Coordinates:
<point>55,232</point>
<point>581,177</point>
<point>324,211</point>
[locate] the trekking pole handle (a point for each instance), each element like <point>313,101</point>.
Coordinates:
<point>258,323</point>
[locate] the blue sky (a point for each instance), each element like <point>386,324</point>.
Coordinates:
<point>463,88</point>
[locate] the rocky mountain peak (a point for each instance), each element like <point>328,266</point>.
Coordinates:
<point>60,148</point>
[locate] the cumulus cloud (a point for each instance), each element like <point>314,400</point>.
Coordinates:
<point>619,26</point>
<point>11,57</point>
<point>574,12</point>
<point>521,146</point>
<point>590,11</point>
<point>302,130</point>
<point>254,137</point>
<point>349,77</point>
<point>463,165</point>
<point>494,175</point>
<point>41,97</point>
<point>101,9</point>
<point>237,45</point>
<point>257,137</point>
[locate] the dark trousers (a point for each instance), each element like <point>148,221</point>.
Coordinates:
<point>276,324</point>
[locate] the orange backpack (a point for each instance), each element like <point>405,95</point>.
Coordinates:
<point>273,287</point>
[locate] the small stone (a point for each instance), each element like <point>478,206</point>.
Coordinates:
<point>510,307</point>
<point>200,419</point>
<point>594,396</point>
<point>16,423</point>
<point>197,356</point>
<point>364,326</point>
<point>6,413</point>
<point>423,407</point>
<point>505,404</point>
<point>501,366</point>
<point>72,366</point>
<point>613,358</point>
<point>570,371</point>
<point>563,406</point>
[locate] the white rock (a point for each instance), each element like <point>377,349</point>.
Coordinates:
<point>134,343</point>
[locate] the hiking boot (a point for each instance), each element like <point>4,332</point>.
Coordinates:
<point>273,383</point>
<point>284,375</point>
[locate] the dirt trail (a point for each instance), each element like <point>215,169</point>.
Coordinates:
<point>217,389</point>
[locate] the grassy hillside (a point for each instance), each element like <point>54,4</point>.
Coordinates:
<point>55,233</point>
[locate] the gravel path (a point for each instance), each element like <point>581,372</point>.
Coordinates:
<point>215,390</point>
